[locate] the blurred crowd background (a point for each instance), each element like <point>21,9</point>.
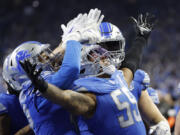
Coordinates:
<point>39,20</point>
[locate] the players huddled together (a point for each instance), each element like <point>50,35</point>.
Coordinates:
<point>88,85</point>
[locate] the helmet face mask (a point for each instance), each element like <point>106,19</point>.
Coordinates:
<point>116,48</point>
<point>48,58</point>
<point>113,41</point>
<point>97,61</point>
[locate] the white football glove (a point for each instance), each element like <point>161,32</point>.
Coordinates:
<point>70,32</point>
<point>84,27</point>
<point>72,24</point>
<point>162,128</point>
<point>92,30</point>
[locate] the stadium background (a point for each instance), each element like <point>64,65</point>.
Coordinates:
<point>24,20</point>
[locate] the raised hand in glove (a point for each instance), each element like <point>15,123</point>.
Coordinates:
<point>34,75</point>
<point>85,27</point>
<point>74,25</point>
<point>144,24</point>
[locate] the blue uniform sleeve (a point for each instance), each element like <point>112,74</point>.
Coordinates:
<point>136,89</point>
<point>143,78</point>
<point>69,71</point>
<point>153,95</point>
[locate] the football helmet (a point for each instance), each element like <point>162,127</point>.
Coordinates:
<point>13,73</point>
<point>111,47</point>
<point>112,40</point>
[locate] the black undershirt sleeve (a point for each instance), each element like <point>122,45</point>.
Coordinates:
<point>133,57</point>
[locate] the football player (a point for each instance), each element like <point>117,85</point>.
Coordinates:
<point>107,104</point>
<point>12,119</point>
<point>139,84</point>
<point>44,116</point>
<point>141,80</point>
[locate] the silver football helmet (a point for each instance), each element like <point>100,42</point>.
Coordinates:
<point>111,48</point>
<point>13,73</point>
<point>113,40</point>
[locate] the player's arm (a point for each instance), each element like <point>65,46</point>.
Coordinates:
<point>25,131</point>
<point>57,55</point>
<point>80,31</point>
<point>59,49</point>
<point>76,103</point>
<point>128,75</point>
<point>134,55</point>
<point>152,115</point>
<point>177,125</point>
<point>5,123</point>
<point>70,67</point>
<point>149,110</point>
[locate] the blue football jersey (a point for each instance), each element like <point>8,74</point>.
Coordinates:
<point>116,110</point>
<point>45,117</point>
<point>9,104</point>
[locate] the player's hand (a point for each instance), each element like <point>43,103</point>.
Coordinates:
<point>69,27</point>
<point>83,28</point>
<point>94,17</point>
<point>72,26</point>
<point>34,75</point>
<point>92,31</point>
<point>144,24</point>
<point>143,78</point>
<point>162,128</point>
